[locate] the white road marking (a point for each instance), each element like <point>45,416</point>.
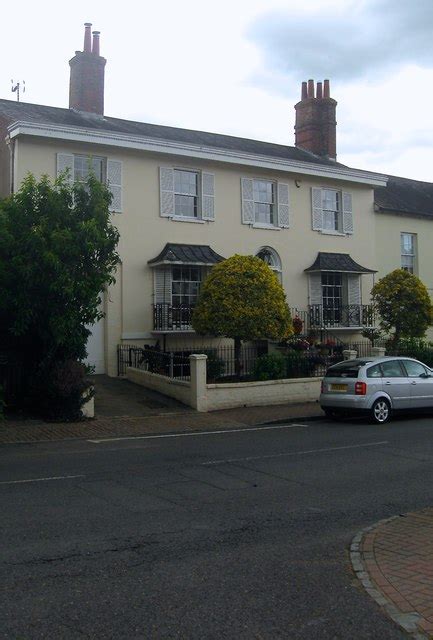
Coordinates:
<point>198,433</point>
<point>41,479</point>
<point>295,453</point>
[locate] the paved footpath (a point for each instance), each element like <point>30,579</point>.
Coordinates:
<point>394,561</point>
<point>104,426</point>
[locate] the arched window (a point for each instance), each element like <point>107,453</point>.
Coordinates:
<point>272,259</point>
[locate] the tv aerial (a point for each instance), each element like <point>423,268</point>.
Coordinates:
<point>16,88</point>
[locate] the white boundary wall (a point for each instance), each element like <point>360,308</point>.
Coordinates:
<point>250,394</point>
<point>211,397</point>
<point>178,389</point>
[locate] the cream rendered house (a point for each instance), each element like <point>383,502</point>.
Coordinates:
<point>183,200</point>
<point>404,228</point>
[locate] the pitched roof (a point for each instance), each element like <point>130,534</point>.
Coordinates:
<point>337,262</point>
<point>25,112</point>
<point>186,254</point>
<point>404,196</point>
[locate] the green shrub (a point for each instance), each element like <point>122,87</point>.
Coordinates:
<point>270,367</point>
<point>57,394</point>
<point>2,403</point>
<point>413,348</point>
<point>215,366</point>
<point>298,366</point>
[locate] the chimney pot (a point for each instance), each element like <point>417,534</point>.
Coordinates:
<point>95,45</point>
<point>319,93</point>
<point>326,91</point>
<point>87,37</point>
<point>304,93</point>
<point>311,88</point>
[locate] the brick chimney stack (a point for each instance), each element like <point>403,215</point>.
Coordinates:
<point>86,87</point>
<point>316,126</point>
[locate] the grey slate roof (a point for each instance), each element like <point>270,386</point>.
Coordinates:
<point>186,254</point>
<point>405,196</point>
<point>337,262</point>
<point>401,195</point>
<point>34,113</point>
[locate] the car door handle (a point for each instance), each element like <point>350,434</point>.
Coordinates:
<point>387,382</point>
<point>414,382</point>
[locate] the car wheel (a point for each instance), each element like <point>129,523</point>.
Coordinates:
<point>331,413</point>
<point>381,411</point>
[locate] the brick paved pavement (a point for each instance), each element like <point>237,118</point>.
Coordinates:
<point>16,431</point>
<point>394,561</point>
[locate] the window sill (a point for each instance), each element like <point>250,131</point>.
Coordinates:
<point>328,232</point>
<point>258,225</point>
<point>185,219</point>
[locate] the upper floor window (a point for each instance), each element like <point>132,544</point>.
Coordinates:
<point>408,252</point>
<point>78,167</point>
<point>186,194</point>
<point>331,211</point>
<point>85,165</point>
<point>264,201</point>
<point>331,204</point>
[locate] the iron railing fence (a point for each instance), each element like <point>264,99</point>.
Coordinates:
<point>415,348</point>
<point>171,365</point>
<point>169,317</point>
<point>221,361</point>
<point>350,315</point>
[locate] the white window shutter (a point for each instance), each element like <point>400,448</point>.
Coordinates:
<point>208,196</point>
<point>114,182</point>
<point>166,185</point>
<point>162,285</point>
<point>354,288</point>
<point>283,205</point>
<point>316,209</point>
<point>247,201</point>
<point>65,162</point>
<point>347,213</point>
<point>316,288</point>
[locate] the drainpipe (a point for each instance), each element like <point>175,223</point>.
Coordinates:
<point>11,144</point>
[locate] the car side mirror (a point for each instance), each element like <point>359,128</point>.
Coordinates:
<point>424,375</point>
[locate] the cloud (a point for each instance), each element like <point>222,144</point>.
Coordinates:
<point>360,40</point>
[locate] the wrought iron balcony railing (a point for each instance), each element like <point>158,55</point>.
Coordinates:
<point>169,317</point>
<point>350,315</point>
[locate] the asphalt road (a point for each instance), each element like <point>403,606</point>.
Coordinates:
<point>225,535</point>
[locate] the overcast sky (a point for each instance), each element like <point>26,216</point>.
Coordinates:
<point>236,67</point>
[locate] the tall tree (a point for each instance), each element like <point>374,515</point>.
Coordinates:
<point>242,299</point>
<point>403,304</point>
<point>57,254</point>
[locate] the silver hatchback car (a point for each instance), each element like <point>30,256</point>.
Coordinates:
<point>377,386</point>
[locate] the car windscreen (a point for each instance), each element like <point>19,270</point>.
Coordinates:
<point>347,369</point>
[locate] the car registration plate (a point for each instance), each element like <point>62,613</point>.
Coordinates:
<point>342,388</point>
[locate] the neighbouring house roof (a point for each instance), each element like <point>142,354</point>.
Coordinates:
<point>186,254</point>
<point>341,262</point>
<point>404,196</point>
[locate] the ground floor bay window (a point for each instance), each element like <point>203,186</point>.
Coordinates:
<point>335,298</point>
<point>178,272</point>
